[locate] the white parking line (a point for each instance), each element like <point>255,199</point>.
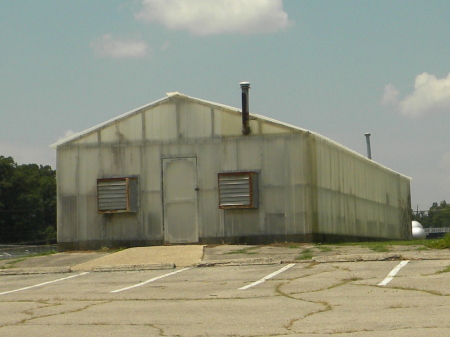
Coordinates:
<point>148,281</point>
<point>393,272</point>
<point>43,284</point>
<point>268,277</point>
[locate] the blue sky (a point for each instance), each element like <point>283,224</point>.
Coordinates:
<point>340,68</point>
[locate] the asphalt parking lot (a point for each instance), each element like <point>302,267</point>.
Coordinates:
<point>294,298</point>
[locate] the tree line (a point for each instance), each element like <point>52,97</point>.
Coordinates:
<point>27,203</point>
<point>437,216</point>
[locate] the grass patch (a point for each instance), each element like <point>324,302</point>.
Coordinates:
<point>247,251</point>
<point>286,244</point>
<point>325,249</point>
<point>422,248</point>
<point>443,243</point>
<point>306,254</point>
<point>11,263</point>
<point>50,252</point>
<point>378,247</point>
<point>384,246</point>
<point>445,270</point>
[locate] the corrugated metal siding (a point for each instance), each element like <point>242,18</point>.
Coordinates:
<point>161,123</point>
<point>356,197</point>
<point>307,184</point>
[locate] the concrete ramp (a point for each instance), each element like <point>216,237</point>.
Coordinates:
<point>180,256</point>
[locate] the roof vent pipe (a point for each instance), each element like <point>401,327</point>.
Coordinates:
<point>245,114</point>
<point>369,154</point>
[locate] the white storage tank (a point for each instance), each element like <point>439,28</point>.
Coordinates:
<point>417,231</point>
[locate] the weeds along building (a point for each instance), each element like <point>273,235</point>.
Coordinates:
<point>185,170</point>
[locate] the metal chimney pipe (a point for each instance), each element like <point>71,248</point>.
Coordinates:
<point>245,112</point>
<point>369,154</point>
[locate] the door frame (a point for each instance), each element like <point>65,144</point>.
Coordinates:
<point>166,224</point>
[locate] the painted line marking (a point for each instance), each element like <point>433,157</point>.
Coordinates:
<point>265,278</point>
<point>43,284</point>
<point>148,281</point>
<point>393,272</point>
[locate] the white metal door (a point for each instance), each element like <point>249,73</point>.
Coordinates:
<point>180,200</point>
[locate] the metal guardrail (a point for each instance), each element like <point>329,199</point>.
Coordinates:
<point>436,230</point>
<point>16,251</point>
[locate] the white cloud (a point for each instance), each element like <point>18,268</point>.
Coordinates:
<point>209,17</point>
<point>107,46</point>
<point>431,95</point>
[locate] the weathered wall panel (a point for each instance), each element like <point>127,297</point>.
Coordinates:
<point>161,123</point>
<point>195,121</point>
<point>375,189</point>
<point>153,221</point>
<point>225,123</point>
<point>208,165</point>
<point>228,155</point>
<point>308,185</point>
<point>67,162</point>
<point>249,154</point>
<point>88,139</point>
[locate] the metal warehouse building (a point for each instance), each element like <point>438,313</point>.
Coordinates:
<point>185,170</point>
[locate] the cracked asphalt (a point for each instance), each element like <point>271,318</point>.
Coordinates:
<point>289,291</point>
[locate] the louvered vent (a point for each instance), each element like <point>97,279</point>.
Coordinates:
<point>117,195</point>
<point>238,190</point>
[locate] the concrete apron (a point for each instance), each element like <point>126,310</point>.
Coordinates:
<point>168,257</point>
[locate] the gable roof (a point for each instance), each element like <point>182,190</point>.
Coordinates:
<point>176,95</point>
<point>172,95</point>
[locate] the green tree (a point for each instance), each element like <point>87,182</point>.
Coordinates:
<point>27,202</point>
<point>437,216</point>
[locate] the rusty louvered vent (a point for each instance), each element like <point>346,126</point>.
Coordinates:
<point>238,190</point>
<point>117,195</point>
